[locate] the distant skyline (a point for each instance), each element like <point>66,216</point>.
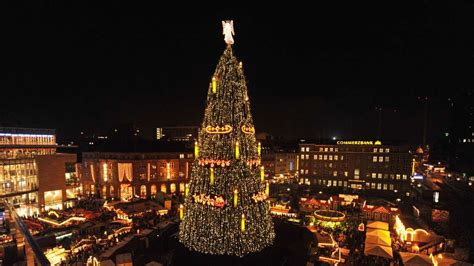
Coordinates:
<point>319,72</point>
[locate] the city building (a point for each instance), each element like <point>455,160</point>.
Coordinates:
<point>32,175</point>
<point>368,165</point>
<point>135,173</point>
<point>177,133</point>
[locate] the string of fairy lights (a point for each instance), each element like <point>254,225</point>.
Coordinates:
<point>226,210</point>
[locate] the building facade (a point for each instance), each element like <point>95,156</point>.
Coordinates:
<point>31,170</point>
<point>356,165</point>
<point>177,133</point>
<point>123,175</point>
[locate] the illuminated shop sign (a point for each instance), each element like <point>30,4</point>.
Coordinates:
<point>358,142</point>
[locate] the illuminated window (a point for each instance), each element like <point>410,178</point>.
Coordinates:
<point>315,157</point>
<point>398,177</point>
<point>372,185</point>
<point>387,159</point>
<point>143,191</point>
<point>320,148</point>
<point>111,191</point>
<point>331,149</point>
<point>336,149</point>
<point>329,183</point>
<point>163,188</point>
<point>181,156</point>
<point>342,157</point>
<point>307,148</point>
<point>346,173</point>
<point>384,186</point>
<point>339,183</point>
<point>390,187</point>
<point>302,149</point>
<point>404,177</point>
<point>356,173</point>
<point>380,159</point>
<point>182,187</point>
<point>302,171</point>
<point>307,156</point>
<point>387,150</point>
<point>325,157</point>
<point>374,175</point>
<point>325,149</point>
<point>375,149</point>
<point>173,188</point>
<point>381,150</point>
<point>392,176</point>
<point>385,176</point>
<point>320,157</point>
<point>374,159</point>
<point>379,176</point>
<point>302,156</point>
<point>330,157</point>
<point>153,190</point>
<point>334,173</point>
<point>336,157</point>
<point>379,186</point>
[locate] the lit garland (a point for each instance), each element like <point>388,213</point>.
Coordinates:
<point>213,224</point>
<point>218,130</point>
<point>248,130</point>
<point>214,85</point>
<point>211,176</point>
<point>196,150</point>
<point>262,173</point>
<point>259,149</point>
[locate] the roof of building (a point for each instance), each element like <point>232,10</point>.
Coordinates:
<point>22,130</point>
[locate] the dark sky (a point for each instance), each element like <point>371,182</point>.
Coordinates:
<point>317,71</point>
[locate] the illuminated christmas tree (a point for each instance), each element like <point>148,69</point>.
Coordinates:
<point>225,210</point>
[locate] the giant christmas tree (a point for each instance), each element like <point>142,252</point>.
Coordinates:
<point>225,210</point>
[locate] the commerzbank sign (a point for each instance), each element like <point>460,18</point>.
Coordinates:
<point>359,142</point>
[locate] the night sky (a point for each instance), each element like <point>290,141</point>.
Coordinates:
<point>312,72</point>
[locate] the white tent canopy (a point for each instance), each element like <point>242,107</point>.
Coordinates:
<point>379,251</point>
<point>378,225</point>
<point>412,259</point>
<point>376,240</point>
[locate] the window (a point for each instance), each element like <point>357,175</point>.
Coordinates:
<point>379,176</point>
<point>336,157</point>
<point>387,159</point>
<point>307,148</point>
<point>345,183</point>
<point>379,186</point>
<point>306,171</point>
<point>404,177</point>
<point>390,187</point>
<point>398,176</point>
<point>307,156</point>
<point>302,171</point>
<point>302,156</point>
<point>372,185</point>
<point>315,157</point>
<point>375,149</point>
<point>329,183</point>
<point>346,173</point>
<point>173,188</point>
<point>326,149</point>
<point>385,176</point>
<point>374,159</point>
<point>320,148</point>
<point>302,149</point>
<point>339,183</point>
<point>387,150</point>
<point>320,157</point>
<point>181,156</point>
<point>336,149</point>
<point>374,175</point>
<point>392,176</point>
<point>342,157</point>
<point>381,150</point>
<point>384,186</point>
<point>356,173</point>
<point>325,157</point>
<point>334,173</point>
<point>380,159</point>
<point>330,157</point>
<point>331,149</point>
